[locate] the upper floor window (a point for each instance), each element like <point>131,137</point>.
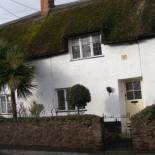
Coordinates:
<point>86,47</point>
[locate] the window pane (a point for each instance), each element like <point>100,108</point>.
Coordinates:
<point>129,86</point>
<point>71,107</point>
<point>86,47</point>
<point>9,108</point>
<point>138,94</point>
<point>97,45</point>
<point>136,85</point>
<point>130,96</point>
<point>82,107</point>
<point>61,100</point>
<point>3,103</point>
<point>8,98</point>
<point>75,49</point>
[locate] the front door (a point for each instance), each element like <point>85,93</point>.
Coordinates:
<point>134,100</point>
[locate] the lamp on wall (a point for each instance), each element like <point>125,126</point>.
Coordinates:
<point>109,90</point>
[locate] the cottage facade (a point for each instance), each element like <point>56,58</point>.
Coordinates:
<point>119,72</point>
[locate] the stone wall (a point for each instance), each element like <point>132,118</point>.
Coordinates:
<point>143,130</point>
<point>70,132</point>
<point>32,152</point>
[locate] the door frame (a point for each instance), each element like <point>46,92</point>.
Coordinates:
<point>122,99</point>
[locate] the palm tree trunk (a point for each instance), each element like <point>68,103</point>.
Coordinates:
<point>13,101</point>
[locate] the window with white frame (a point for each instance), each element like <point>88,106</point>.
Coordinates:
<point>5,104</point>
<point>63,105</point>
<point>86,47</point>
<point>133,90</point>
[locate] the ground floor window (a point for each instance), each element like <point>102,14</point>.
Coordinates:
<point>63,105</point>
<point>5,104</point>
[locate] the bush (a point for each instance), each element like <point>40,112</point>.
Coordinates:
<point>36,109</point>
<point>78,96</point>
<point>147,114</point>
<point>22,111</point>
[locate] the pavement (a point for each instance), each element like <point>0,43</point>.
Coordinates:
<point>23,152</point>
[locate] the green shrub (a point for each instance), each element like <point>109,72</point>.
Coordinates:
<point>36,109</point>
<point>147,114</point>
<point>78,96</point>
<point>22,111</point>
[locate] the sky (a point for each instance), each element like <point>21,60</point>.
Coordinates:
<point>14,9</point>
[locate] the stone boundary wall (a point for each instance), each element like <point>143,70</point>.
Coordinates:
<point>41,152</point>
<point>143,130</point>
<point>67,132</point>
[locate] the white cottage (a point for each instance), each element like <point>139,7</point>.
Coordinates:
<point>101,44</point>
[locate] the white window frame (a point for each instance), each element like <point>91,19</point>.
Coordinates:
<point>66,104</point>
<point>6,104</point>
<point>80,46</point>
<point>133,91</point>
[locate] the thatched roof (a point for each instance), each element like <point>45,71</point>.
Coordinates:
<point>119,21</point>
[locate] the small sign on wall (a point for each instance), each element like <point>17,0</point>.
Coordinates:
<point>124,57</point>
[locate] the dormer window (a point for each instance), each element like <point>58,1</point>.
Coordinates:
<point>85,47</point>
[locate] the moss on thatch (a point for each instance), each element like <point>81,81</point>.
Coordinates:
<point>118,20</point>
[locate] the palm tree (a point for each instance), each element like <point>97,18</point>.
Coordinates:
<point>16,74</point>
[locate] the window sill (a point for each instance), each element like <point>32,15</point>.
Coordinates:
<point>5,114</point>
<point>87,58</point>
<point>61,111</point>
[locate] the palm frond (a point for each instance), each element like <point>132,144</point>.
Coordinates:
<point>15,73</point>
<point>4,73</point>
<point>26,74</point>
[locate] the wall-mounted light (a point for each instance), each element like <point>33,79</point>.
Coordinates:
<point>109,90</point>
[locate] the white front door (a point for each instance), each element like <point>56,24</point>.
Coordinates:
<point>134,99</point>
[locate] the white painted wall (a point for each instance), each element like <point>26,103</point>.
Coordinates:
<point>147,51</point>
<point>97,74</point>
